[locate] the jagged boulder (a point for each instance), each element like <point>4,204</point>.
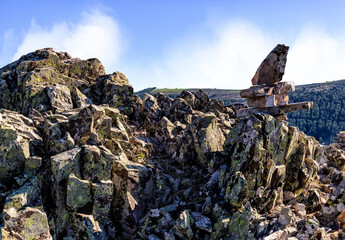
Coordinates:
<point>102,193</point>
<point>28,223</point>
<point>60,97</point>
<point>18,142</point>
<point>150,107</point>
<point>97,163</point>
<point>133,184</point>
<point>208,137</point>
<point>164,102</point>
<point>183,225</point>
<point>155,222</point>
<point>55,139</point>
<point>44,79</point>
<point>78,192</point>
<point>92,161</point>
<point>266,158</point>
<point>115,90</point>
<point>24,215</point>
<point>85,227</point>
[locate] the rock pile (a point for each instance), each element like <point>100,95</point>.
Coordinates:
<point>268,94</point>
<point>81,157</point>
<point>340,141</point>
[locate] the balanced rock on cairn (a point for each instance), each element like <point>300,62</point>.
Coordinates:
<point>268,94</point>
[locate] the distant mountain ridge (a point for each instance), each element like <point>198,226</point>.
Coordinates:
<point>227,95</point>
<point>324,121</point>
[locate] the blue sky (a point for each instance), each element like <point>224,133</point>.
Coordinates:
<point>178,44</point>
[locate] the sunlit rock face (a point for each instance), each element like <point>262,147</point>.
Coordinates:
<point>81,157</point>
<point>272,67</point>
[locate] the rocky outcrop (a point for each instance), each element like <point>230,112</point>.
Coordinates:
<point>81,157</point>
<point>20,145</point>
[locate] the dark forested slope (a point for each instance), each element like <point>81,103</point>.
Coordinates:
<point>327,117</point>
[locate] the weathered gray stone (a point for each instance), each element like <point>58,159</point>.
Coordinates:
<point>87,226</point>
<point>28,223</point>
<point>102,193</point>
<point>202,222</point>
<point>17,134</point>
<point>60,97</point>
<point>63,164</point>
<point>183,225</point>
<point>78,192</point>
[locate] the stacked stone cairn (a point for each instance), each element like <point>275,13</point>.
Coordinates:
<point>268,94</point>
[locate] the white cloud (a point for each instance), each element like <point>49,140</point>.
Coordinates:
<point>222,57</point>
<point>316,56</point>
<point>227,57</point>
<point>95,35</point>
<point>214,56</point>
<point>8,46</point>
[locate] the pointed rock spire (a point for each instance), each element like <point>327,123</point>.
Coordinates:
<point>272,67</point>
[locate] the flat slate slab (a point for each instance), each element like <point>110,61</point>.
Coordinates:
<point>268,89</point>
<point>268,101</point>
<point>274,111</point>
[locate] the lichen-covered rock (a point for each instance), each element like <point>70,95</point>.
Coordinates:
<point>60,144</point>
<point>115,90</point>
<point>209,137</point>
<point>266,166</point>
<point>86,71</point>
<point>183,225</point>
<point>202,100</point>
<point>29,223</point>
<point>23,213</point>
<point>164,102</point>
<point>26,195</point>
<point>239,224</point>
<point>155,222</point>
<point>29,82</point>
<point>65,163</point>
<point>150,107</point>
<point>19,140</point>
<point>60,97</point>
<point>86,227</point>
<point>78,192</point>
<point>165,130</point>
<point>97,163</point>
<point>272,67</point>
<point>80,125</point>
<point>202,222</point>
<point>102,193</point>
<point>133,186</point>
<point>62,166</point>
<point>34,85</point>
<point>92,161</point>
<point>79,99</point>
